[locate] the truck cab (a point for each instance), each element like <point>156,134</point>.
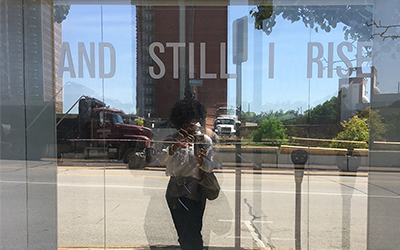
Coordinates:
<point>125,140</point>
<point>98,128</point>
<point>225,126</point>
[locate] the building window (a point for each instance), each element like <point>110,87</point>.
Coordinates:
<point>148,101</point>
<point>149,16</point>
<point>148,39</point>
<point>148,81</point>
<point>149,27</point>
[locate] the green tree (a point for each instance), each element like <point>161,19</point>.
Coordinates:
<point>393,126</point>
<point>247,116</point>
<point>355,130</point>
<point>269,129</point>
<point>377,128</point>
<point>326,113</point>
<point>139,121</point>
<point>323,114</point>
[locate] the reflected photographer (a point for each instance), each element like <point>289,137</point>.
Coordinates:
<point>188,155</point>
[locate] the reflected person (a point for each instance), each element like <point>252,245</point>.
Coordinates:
<point>186,160</point>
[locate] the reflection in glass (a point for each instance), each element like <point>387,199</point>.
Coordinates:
<point>323,78</point>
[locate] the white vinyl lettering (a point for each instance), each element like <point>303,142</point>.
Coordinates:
<point>223,60</point>
<point>89,60</point>
<point>317,59</point>
<point>191,60</point>
<point>65,50</point>
<point>89,63</point>
<point>344,58</point>
<point>203,73</point>
<point>330,60</point>
<point>110,74</point>
<point>157,60</point>
<point>271,61</point>
<point>175,56</point>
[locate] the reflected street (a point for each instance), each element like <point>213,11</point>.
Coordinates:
<point>119,207</point>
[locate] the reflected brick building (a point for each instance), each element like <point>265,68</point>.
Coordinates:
<point>189,60</point>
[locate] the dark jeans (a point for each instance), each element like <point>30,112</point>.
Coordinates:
<point>187,215</point>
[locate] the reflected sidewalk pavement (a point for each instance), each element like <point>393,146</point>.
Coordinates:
<point>161,247</point>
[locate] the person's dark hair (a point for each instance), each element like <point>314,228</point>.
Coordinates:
<point>187,110</point>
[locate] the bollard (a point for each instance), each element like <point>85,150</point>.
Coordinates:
<point>299,158</point>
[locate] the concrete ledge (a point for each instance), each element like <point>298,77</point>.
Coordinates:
<point>313,142</point>
<point>247,149</point>
<point>360,152</point>
<point>286,149</point>
<point>384,158</point>
<point>317,156</point>
<point>256,155</point>
<point>382,145</point>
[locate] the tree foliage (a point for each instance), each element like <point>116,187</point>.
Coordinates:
<point>60,12</point>
<point>355,18</point>
<point>367,126</point>
<point>269,129</point>
<point>326,113</point>
<point>393,126</point>
<point>284,117</point>
<point>323,114</point>
<point>377,128</point>
<point>356,129</point>
<point>139,121</point>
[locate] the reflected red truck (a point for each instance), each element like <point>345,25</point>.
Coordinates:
<point>98,131</point>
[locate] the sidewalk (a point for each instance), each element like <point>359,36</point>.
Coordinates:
<point>155,247</point>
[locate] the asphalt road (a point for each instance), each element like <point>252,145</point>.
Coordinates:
<point>126,208</point>
<point>89,205</point>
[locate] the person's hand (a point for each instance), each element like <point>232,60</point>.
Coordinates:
<point>202,153</point>
<point>183,139</point>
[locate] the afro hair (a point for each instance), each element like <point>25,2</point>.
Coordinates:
<point>187,110</point>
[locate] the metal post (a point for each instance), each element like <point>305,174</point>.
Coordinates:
<point>298,173</point>
<point>182,51</point>
<point>238,219</point>
<point>238,179</point>
<point>347,193</point>
<point>299,158</point>
<point>239,56</point>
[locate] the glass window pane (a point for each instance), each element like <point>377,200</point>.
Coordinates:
<point>113,115</point>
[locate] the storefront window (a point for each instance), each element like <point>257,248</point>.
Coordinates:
<point>100,102</point>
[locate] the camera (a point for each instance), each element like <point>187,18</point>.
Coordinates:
<point>198,143</point>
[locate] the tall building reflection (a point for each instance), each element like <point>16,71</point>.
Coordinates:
<point>169,25</point>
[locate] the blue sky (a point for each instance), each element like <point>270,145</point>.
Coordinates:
<point>289,89</point>
<point>83,24</point>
